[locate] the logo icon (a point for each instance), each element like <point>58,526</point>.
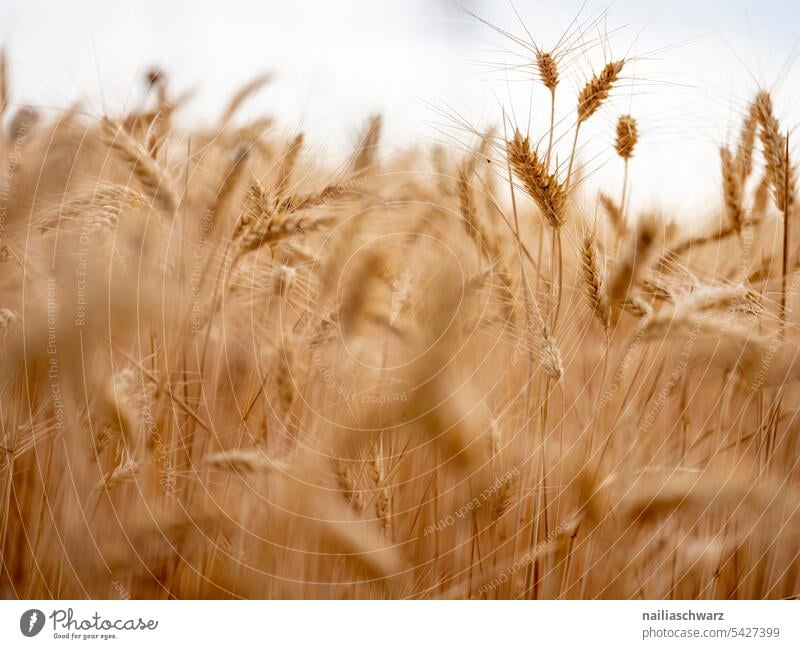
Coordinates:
<point>31,622</point>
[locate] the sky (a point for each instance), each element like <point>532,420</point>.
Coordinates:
<point>432,70</point>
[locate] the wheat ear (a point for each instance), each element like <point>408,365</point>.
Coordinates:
<point>149,173</point>
<point>635,262</point>
<point>597,90</point>
<point>778,167</point>
<point>542,186</point>
<point>593,281</point>
<point>732,186</point>
<point>366,155</point>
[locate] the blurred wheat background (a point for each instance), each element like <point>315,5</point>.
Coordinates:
<point>411,301</point>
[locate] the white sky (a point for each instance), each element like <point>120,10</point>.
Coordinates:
<point>338,61</point>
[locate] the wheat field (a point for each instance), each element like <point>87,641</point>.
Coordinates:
<point>232,369</point>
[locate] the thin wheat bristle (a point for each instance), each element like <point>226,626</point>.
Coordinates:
<point>287,164</point>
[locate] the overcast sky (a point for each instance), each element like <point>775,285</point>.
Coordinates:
<point>692,67</point>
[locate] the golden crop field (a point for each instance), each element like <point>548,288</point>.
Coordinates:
<point>232,368</point>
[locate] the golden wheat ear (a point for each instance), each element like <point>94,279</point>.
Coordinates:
<point>347,480</point>
<point>243,94</point>
<point>747,141</point>
<point>544,188</point>
<point>231,181</point>
<point>614,213</point>
<point>596,91</point>
<point>642,251</point>
<point>732,188</point>
<point>594,281</point>
<point>548,70</point>
<point>366,157</point>
<point>779,169</point>
<point>627,136</point>
<point>152,176</point>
